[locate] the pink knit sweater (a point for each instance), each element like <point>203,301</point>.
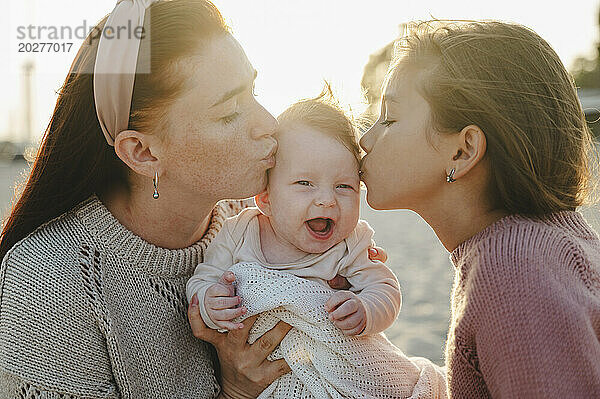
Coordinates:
<point>526,310</point>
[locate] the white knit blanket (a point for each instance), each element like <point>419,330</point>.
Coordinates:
<point>326,363</point>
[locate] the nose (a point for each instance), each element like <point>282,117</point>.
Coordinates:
<point>265,124</point>
<point>367,141</point>
<point>325,199</point>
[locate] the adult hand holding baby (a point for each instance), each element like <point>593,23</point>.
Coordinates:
<point>221,302</point>
<point>245,370</point>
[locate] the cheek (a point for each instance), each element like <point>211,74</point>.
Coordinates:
<point>288,220</point>
<point>202,140</point>
<point>405,169</point>
<point>285,205</point>
<point>353,203</point>
<point>350,211</point>
<point>212,149</point>
<point>226,143</point>
<point>387,163</point>
<point>214,160</point>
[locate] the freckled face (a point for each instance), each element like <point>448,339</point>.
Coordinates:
<point>401,168</point>
<point>313,189</point>
<point>220,141</point>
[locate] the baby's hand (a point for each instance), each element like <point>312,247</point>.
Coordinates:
<point>220,302</point>
<point>347,312</point>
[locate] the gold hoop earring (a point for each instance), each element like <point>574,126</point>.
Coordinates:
<point>450,178</point>
<point>155,182</point>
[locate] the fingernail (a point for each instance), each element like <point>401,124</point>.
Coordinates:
<point>194,300</point>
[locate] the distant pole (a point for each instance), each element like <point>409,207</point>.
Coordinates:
<point>598,55</point>
<point>28,68</point>
<point>29,72</point>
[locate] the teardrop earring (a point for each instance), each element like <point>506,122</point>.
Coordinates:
<point>155,182</point>
<point>450,178</point>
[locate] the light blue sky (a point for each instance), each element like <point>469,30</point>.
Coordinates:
<point>293,44</point>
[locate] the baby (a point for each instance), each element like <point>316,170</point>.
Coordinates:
<point>305,223</point>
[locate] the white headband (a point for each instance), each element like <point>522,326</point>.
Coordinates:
<point>115,67</point>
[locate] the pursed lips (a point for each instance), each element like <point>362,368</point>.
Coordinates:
<point>361,168</point>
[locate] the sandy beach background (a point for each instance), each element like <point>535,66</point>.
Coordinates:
<point>415,254</point>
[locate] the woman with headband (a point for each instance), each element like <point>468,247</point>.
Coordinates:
<point>149,132</point>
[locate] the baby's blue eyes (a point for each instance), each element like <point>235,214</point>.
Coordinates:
<point>308,184</point>
<point>345,186</point>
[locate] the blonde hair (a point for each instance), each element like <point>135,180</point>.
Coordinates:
<point>507,80</point>
<point>324,113</point>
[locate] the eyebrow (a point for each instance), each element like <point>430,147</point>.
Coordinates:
<point>235,91</point>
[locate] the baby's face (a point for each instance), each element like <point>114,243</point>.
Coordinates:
<point>314,189</point>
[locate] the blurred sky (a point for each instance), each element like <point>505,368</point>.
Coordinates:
<point>294,45</point>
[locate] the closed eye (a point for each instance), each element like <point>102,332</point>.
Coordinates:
<point>230,118</point>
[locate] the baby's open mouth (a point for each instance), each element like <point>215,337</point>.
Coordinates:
<point>321,228</point>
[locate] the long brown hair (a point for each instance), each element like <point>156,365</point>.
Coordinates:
<point>509,81</point>
<point>74,160</point>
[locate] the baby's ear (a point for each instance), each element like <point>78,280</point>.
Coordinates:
<point>262,202</point>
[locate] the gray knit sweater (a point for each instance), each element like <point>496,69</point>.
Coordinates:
<point>90,310</point>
